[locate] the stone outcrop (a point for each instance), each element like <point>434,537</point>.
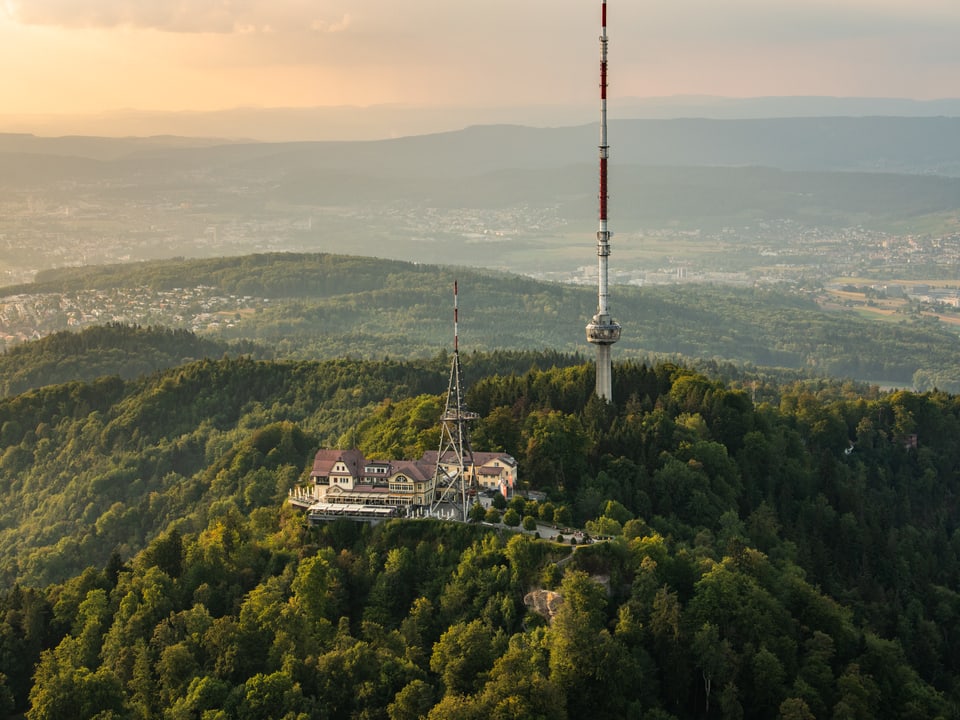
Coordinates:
<point>544,602</point>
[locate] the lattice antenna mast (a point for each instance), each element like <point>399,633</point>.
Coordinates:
<point>603,331</point>
<point>454,480</point>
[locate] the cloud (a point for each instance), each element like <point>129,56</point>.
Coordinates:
<point>340,25</point>
<point>769,23</point>
<point>207,53</point>
<point>182,16</point>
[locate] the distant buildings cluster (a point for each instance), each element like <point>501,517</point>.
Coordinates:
<point>30,316</point>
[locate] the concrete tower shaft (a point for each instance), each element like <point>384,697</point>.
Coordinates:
<point>603,330</point>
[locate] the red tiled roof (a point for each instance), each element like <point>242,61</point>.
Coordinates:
<point>479,458</point>
<point>416,470</point>
<point>324,461</point>
<point>482,458</point>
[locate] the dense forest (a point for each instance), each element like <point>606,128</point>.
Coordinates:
<point>328,306</point>
<point>779,549</point>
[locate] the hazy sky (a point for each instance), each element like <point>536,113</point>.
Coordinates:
<point>67,56</point>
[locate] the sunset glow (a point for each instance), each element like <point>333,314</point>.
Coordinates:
<point>63,57</point>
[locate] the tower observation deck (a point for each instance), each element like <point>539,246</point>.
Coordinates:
<point>603,331</point>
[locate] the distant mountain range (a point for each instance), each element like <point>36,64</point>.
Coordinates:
<point>390,121</point>
<point>412,198</point>
<point>833,171</point>
<point>929,145</point>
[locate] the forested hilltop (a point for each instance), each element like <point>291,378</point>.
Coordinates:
<point>103,350</point>
<point>324,306</point>
<point>795,557</point>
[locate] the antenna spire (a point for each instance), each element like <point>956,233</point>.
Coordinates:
<point>603,331</point>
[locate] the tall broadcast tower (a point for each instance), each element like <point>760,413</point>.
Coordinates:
<point>603,331</point>
<point>453,484</point>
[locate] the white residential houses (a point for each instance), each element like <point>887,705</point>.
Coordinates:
<point>491,471</point>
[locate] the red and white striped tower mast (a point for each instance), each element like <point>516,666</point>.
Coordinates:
<point>603,331</point>
<point>453,481</point>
